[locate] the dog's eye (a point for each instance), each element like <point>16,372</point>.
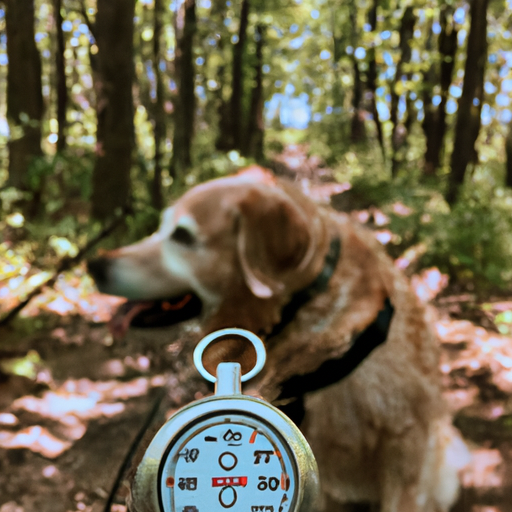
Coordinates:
<point>183,236</point>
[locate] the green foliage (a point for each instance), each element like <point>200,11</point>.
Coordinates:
<point>62,176</point>
<point>27,366</point>
<point>311,47</point>
<point>219,164</point>
<point>473,242</point>
<point>503,321</point>
<point>142,223</point>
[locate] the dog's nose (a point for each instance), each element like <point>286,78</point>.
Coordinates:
<point>98,268</point>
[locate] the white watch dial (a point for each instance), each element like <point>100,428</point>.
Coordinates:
<point>229,461</point>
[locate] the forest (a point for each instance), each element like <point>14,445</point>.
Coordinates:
<point>118,106</point>
<point>115,106</point>
<point>399,112</point>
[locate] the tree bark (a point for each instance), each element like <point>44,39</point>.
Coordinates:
<point>434,124</point>
<point>184,106</point>
<point>508,153</point>
<point>399,130</point>
<point>115,131</point>
<point>372,79</point>
<point>237,91</point>
<point>158,110</point>
<point>224,141</point>
<point>255,126</point>
<point>24,93</point>
<point>470,103</point>
<point>357,127</point>
<point>62,90</point>
<point>93,58</point>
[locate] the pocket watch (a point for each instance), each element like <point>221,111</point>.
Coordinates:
<point>228,452</point>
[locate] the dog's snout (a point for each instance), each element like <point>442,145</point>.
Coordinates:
<point>98,268</point>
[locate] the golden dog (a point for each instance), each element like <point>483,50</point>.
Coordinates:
<point>321,290</point>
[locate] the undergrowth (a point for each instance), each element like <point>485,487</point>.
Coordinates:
<point>471,242</point>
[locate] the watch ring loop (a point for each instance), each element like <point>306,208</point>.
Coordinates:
<point>261,354</point>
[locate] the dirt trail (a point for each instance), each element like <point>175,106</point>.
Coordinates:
<point>64,437</point>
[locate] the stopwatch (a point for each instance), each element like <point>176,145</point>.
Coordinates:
<point>228,452</point>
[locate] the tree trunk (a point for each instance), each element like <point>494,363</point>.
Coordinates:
<point>430,122</point>
<point>434,124</point>
<point>184,106</point>
<point>470,103</point>
<point>93,58</point>
<point>339,92</point>
<point>237,92</point>
<point>399,130</point>
<point>24,93</point>
<point>372,78</point>
<point>224,141</point>
<point>115,132</point>
<point>508,152</point>
<point>158,110</point>
<point>357,128</point>
<point>62,90</point>
<point>255,126</point>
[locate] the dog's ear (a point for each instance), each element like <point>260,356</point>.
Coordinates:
<point>274,239</point>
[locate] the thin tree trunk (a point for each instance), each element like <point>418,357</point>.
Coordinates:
<point>62,90</point>
<point>434,124</point>
<point>237,91</point>
<point>255,127</point>
<point>224,140</point>
<point>143,50</point>
<point>24,93</point>
<point>470,103</point>
<point>357,128</point>
<point>508,151</point>
<point>430,79</point>
<point>372,78</point>
<point>115,131</point>
<point>184,106</point>
<point>93,58</point>
<point>399,131</point>
<point>158,113</point>
<point>339,43</point>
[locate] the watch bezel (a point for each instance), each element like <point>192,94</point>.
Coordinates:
<point>146,486</point>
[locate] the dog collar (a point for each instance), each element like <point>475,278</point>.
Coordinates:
<point>319,285</point>
<point>333,370</point>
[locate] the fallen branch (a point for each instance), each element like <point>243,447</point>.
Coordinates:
<point>65,264</point>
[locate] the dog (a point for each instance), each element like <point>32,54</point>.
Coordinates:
<point>351,357</point>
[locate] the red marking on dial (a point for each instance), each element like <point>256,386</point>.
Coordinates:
<point>253,437</point>
<point>232,481</point>
<point>285,481</point>
<point>170,481</point>
<point>278,453</point>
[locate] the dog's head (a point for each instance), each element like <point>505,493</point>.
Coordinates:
<point>242,245</point>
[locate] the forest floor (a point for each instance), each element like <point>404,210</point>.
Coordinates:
<point>72,412</point>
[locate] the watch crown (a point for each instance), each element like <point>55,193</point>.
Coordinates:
<point>229,379</point>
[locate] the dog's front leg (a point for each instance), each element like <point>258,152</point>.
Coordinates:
<point>400,473</point>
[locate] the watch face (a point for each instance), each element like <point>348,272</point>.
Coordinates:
<point>229,461</point>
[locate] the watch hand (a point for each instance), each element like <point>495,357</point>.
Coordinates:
<point>232,481</point>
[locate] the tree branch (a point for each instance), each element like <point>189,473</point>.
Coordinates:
<point>90,25</point>
<point>65,264</point>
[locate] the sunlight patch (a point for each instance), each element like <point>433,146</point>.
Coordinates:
<point>36,439</point>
